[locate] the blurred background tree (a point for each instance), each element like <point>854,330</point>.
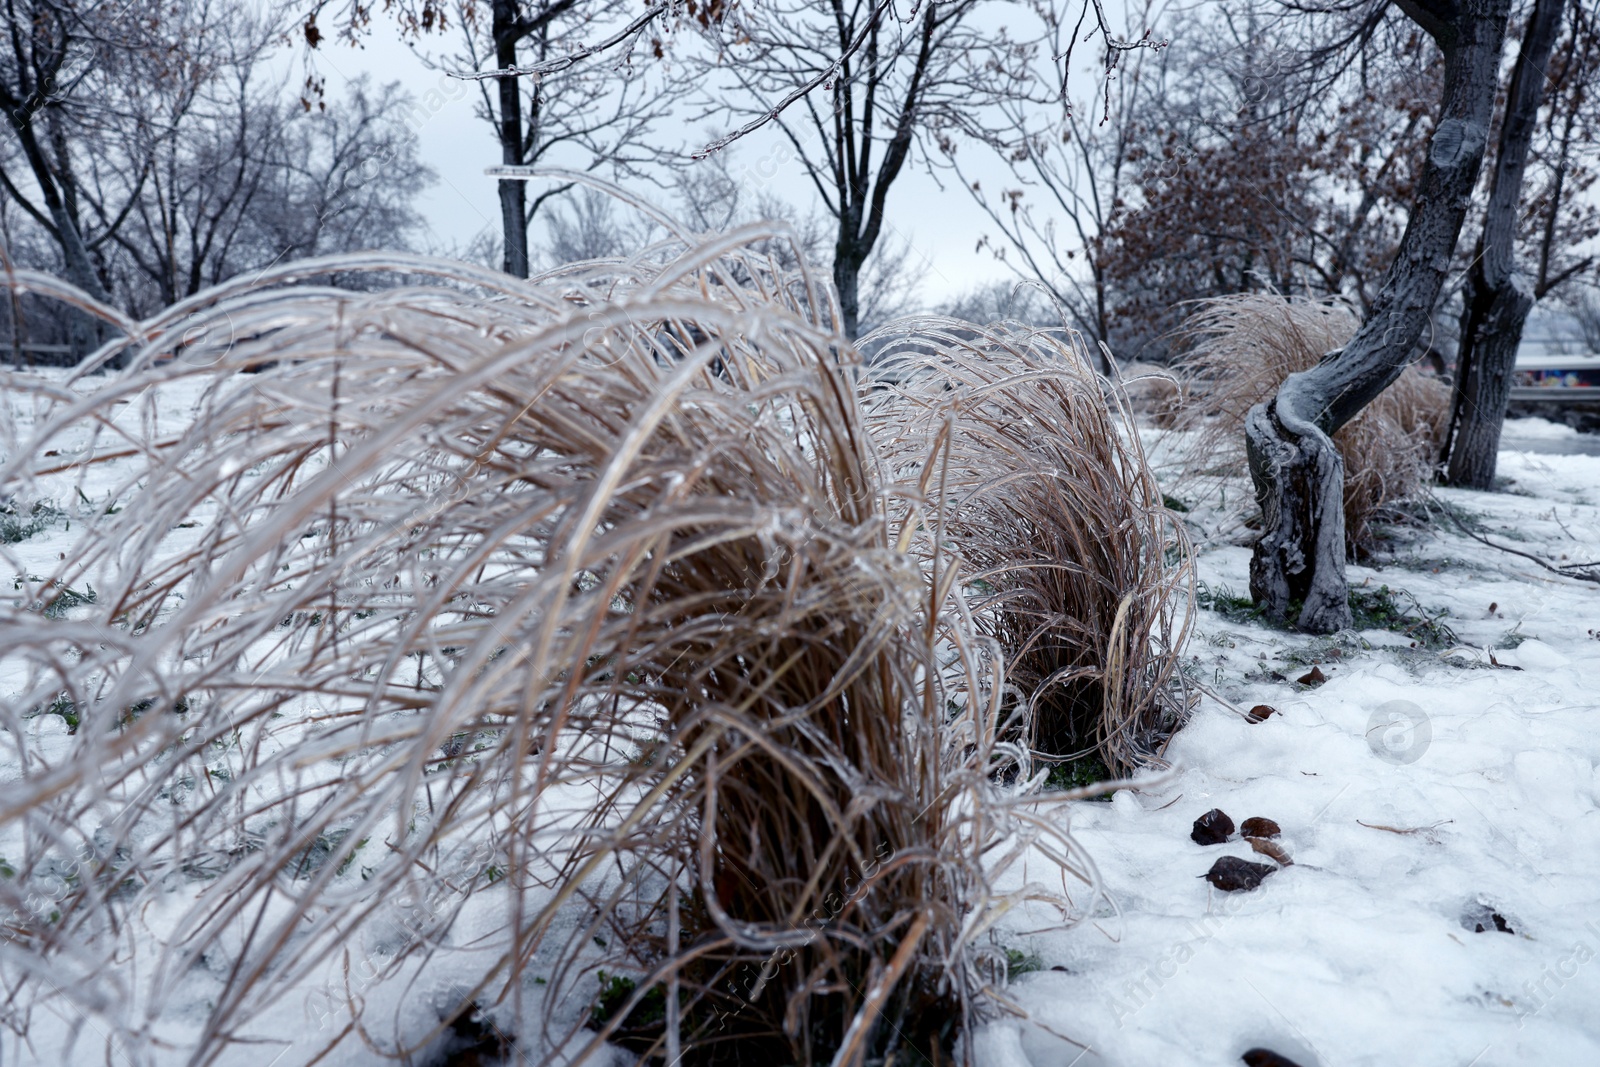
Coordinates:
<point>153,152</point>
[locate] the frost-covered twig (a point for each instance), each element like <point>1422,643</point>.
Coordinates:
<point>1571,570</point>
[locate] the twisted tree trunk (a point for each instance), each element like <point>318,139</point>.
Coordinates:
<point>1298,475</point>
<point>1498,298</point>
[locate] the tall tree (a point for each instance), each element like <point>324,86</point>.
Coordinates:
<point>1498,296</point>
<point>891,82</point>
<point>899,90</point>
<point>204,130</point>
<point>596,117</point>
<point>59,91</point>
<point>177,159</point>
<point>344,179</point>
<point>1297,472</point>
<point>253,178</point>
<point>1073,163</point>
<point>1212,167</point>
<point>602,113</point>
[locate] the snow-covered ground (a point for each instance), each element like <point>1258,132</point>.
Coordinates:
<point>1406,836</point>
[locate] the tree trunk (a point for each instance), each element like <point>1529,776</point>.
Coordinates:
<point>1299,480</point>
<point>1490,336</point>
<point>513,193</point>
<point>1498,299</point>
<point>1298,475</point>
<point>85,330</point>
<point>847,280</point>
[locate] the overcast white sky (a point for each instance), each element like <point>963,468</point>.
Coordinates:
<point>942,226</point>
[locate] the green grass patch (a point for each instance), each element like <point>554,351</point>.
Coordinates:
<point>133,712</point>
<point>64,708</point>
<point>1080,772</point>
<point>1381,609</point>
<point>328,844</point>
<point>642,1027</point>
<point>615,991</point>
<point>1019,962</point>
<point>1227,603</point>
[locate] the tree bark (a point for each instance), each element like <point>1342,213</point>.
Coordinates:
<point>507,28</point>
<point>1498,297</point>
<point>847,280</point>
<point>1298,475</point>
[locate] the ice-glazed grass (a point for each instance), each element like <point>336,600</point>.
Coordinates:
<point>1240,348</point>
<point>587,601</point>
<point>1038,481</point>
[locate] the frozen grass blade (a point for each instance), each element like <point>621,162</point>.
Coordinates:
<point>1041,485</point>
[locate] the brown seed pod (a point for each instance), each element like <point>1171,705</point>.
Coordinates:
<point>1212,828</point>
<point>1256,826</point>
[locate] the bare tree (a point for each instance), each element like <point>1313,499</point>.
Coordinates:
<point>1498,296</point>
<point>709,199</point>
<point>1223,164</point>
<point>188,162</point>
<point>906,88</point>
<point>1072,162</point>
<point>585,117</point>
<point>60,90</point>
<point>928,74</point>
<point>1563,166</point>
<point>202,131</point>
<point>588,226</point>
<point>345,179</point>
<point>1256,173</point>
<point>1300,556</point>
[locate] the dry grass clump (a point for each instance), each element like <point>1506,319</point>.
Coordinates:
<point>1242,347</point>
<point>478,637</point>
<point>1080,572</point>
<point>1154,393</point>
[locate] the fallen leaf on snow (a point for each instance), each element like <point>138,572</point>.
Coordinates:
<point>1234,875</point>
<point>1212,828</point>
<point>1271,848</point>
<point>1256,826</point>
<point>1263,1057</point>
